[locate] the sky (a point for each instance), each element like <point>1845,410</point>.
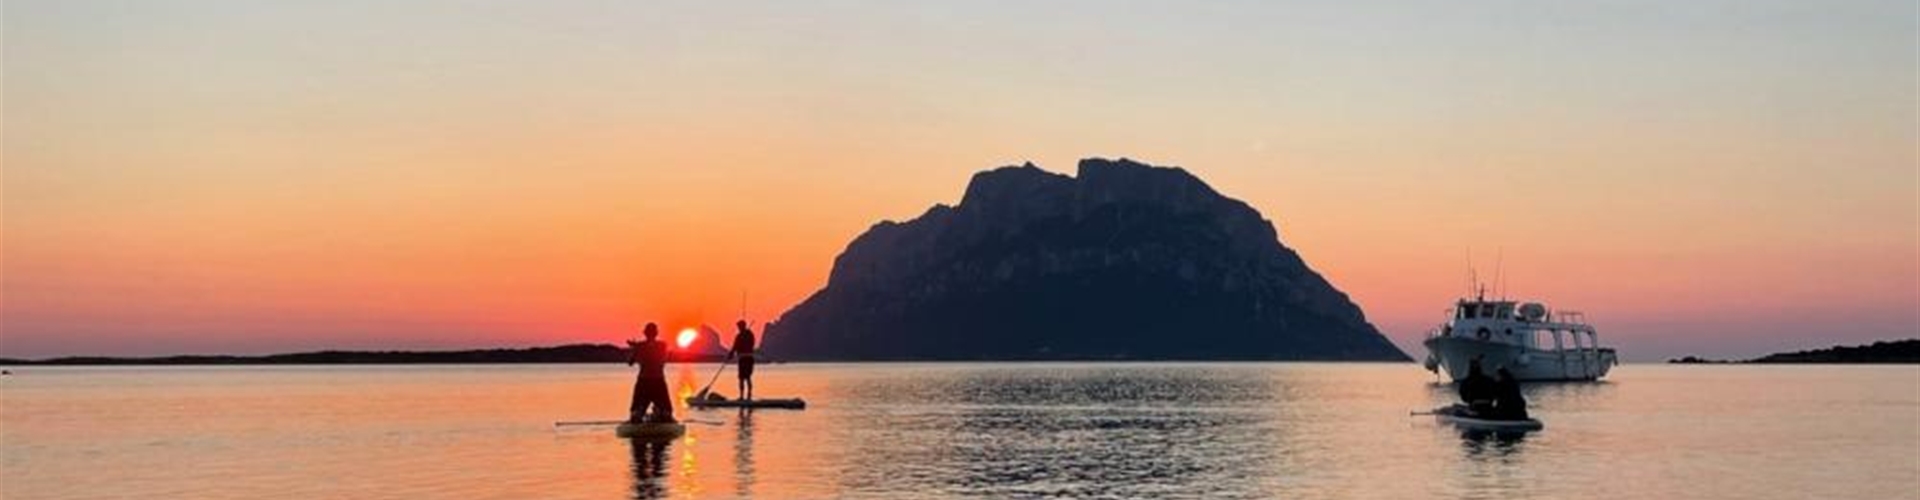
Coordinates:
<point>1720,177</point>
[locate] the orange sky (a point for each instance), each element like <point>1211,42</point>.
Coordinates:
<point>237,177</point>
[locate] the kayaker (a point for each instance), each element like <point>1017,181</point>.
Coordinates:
<point>1477,389</point>
<point>650,386</point>
<point>743,345</point>
<point>1508,403</point>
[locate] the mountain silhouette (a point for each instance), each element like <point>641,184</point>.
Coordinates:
<point>1122,261</point>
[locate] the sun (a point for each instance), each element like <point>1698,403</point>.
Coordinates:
<point>687,337</point>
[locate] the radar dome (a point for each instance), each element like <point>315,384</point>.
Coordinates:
<point>1533,311</point>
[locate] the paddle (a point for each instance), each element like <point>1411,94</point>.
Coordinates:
<point>1449,410</point>
<point>589,422</point>
<point>618,422</point>
<point>723,364</point>
<point>716,377</point>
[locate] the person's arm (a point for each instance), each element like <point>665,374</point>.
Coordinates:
<point>633,352</point>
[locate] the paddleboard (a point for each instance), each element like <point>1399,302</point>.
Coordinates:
<point>650,430</point>
<point>1452,415</point>
<point>790,404</point>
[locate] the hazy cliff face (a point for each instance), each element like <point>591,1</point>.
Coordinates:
<point>1122,261</point>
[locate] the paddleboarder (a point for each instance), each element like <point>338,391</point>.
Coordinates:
<point>650,386</point>
<point>1508,403</point>
<point>743,344</point>
<point>1477,390</point>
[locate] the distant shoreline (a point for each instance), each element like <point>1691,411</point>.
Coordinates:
<point>563,354</point>
<point>1905,351</point>
<point>1895,352</point>
<point>571,353</point>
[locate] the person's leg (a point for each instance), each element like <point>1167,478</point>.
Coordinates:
<point>638,408</point>
<point>662,402</point>
<point>746,376</point>
<point>1481,407</point>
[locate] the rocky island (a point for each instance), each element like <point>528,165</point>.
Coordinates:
<point>1904,351</point>
<point>1121,261</point>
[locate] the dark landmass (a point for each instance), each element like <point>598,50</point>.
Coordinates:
<point>573,353</point>
<point>1886,352</point>
<point>1696,360</point>
<point>1124,261</point>
<point>1898,351</point>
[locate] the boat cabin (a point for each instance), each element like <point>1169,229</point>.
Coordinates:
<point>1528,324</point>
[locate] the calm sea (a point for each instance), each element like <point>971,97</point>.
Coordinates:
<point>936,430</point>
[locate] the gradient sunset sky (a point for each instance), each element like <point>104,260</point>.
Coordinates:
<point>1716,177</point>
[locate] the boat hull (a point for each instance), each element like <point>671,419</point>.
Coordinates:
<point>1453,354</point>
<point>789,404</point>
<point>1482,424</point>
<point>650,431</point>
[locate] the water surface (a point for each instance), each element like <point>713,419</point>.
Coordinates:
<point>939,430</point>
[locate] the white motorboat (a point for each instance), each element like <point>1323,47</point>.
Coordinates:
<point>1528,339</point>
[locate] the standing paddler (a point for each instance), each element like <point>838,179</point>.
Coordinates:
<point>743,344</point>
<point>650,386</point>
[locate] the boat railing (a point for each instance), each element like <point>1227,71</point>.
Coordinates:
<point>1568,317</point>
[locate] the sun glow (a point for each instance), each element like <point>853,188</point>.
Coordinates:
<point>687,337</point>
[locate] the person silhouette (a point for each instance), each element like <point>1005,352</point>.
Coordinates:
<point>1508,403</point>
<point>1477,389</point>
<point>743,346</point>
<point>650,385</point>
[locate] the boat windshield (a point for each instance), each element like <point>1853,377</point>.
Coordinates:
<point>1489,310</point>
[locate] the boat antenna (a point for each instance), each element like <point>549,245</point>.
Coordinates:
<point>1499,275</point>
<point>1471,282</point>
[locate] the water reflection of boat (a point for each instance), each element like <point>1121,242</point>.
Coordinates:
<point>650,469</point>
<point>743,455</point>
<point>1532,342</point>
<point>1483,443</point>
